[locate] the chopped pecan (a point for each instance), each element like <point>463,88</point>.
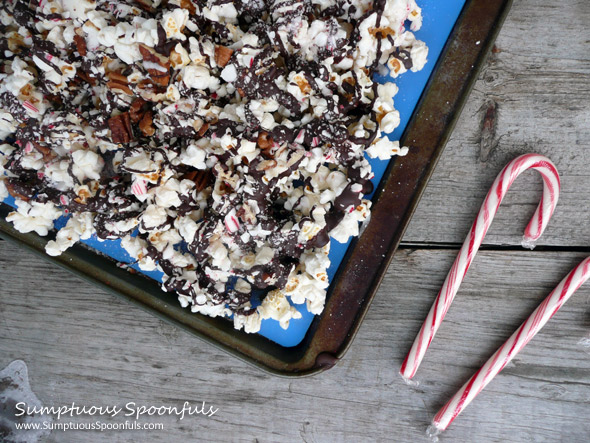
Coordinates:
<point>160,75</point>
<point>222,55</point>
<point>137,109</point>
<point>187,4</point>
<point>54,98</point>
<point>265,143</point>
<point>120,126</point>
<point>11,188</point>
<point>118,81</point>
<point>117,77</point>
<point>197,124</point>
<point>146,5</point>
<point>120,87</point>
<point>265,165</point>
<point>84,76</point>
<point>145,125</point>
<point>190,175</point>
<point>202,178</point>
<point>241,92</point>
<point>46,151</point>
<point>150,91</point>
<point>203,129</point>
<point>80,45</point>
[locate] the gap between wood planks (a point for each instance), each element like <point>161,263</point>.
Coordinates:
<point>484,247</point>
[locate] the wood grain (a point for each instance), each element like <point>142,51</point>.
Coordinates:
<point>539,81</point>
<point>88,347</point>
<point>85,346</point>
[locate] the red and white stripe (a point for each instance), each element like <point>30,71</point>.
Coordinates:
<point>570,284</point>
<point>28,105</point>
<point>551,187</point>
<point>231,222</point>
<point>139,188</point>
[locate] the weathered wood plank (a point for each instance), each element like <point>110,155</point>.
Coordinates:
<point>87,346</point>
<point>539,81</point>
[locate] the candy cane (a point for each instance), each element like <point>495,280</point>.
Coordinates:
<point>570,284</point>
<point>28,105</point>
<point>533,231</point>
<point>139,188</point>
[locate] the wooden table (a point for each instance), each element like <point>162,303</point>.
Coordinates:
<point>85,346</point>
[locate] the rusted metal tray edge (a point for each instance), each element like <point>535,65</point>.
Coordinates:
<point>427,133</point>
<point>332,333</point>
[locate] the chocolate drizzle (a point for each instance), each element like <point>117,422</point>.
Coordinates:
<point>239,158</point>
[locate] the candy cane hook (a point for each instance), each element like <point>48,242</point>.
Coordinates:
<point>570,284</point>
<point>551,186</point>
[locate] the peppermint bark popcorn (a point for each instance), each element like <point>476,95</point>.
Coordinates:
<point>223,142</point>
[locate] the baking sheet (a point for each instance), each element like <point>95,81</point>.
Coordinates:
<point>439,19</point>
<point>366,261</point>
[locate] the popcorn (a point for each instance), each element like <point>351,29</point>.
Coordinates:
<point>276,306</point>
<point>199,77</point>
<point>74,230</point>
<point>173,23</point>
<point>153,217</point>
<point>33,217</point>
<point>87,165</point>
<point>218,160</point>
<point>251,323</point>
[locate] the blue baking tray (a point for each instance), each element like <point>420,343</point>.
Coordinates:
<point>439,19</point>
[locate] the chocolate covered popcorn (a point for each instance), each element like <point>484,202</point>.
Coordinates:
<point>224,142</point>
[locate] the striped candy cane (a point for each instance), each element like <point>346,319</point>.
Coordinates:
<point>570,284</point>
<point>533,231</point>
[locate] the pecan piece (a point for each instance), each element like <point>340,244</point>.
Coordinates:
<point>202,178</point>
<point>145,124</point>
<point>117,77</point>
<point>84,76</point>
<point>80,45</point>
<point>120,126</point>
<point>146,5</point>
<point>265,165</point>
<point>137,109</point>
<point>11,188</point>
<point>46,151</point>
<point>190,175</point>
<point>266,143</point>
<point>161,74</point>
<point>118,81</point>
<point>222,55</point>
<point>203,129</point>
<point>187,4</point>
